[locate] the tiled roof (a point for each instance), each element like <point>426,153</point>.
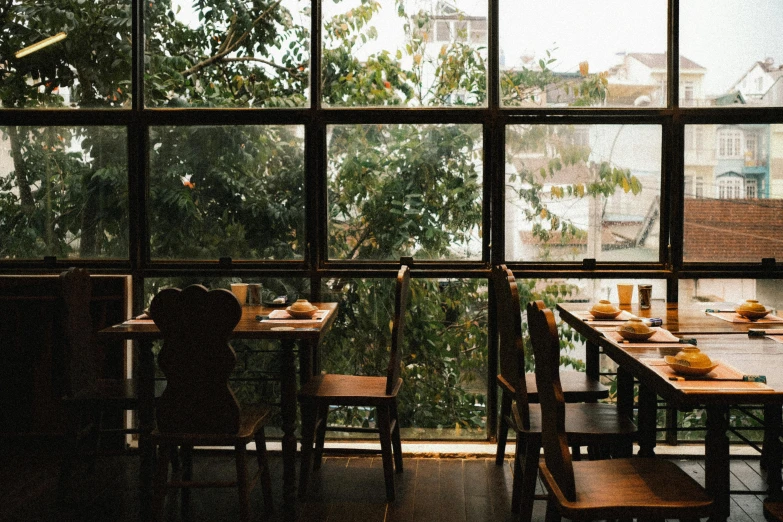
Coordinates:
<point>733,230</point>
<point>658,61</point>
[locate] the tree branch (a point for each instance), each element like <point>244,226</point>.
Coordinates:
<point>229,46</point>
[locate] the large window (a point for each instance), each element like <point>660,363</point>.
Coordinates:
<point>318,142</point>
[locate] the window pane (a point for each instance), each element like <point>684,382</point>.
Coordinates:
<point>732,291</point>
<point>444,356</point>
<point>226,191</point>
<point>738,52</point>
<point>63,192</point>
<point>56,54</point>
<point>735,212</point>
<point>404,190</point>
<point>610,53</point>
<point>408,52</point>
<point>231,54</point>
<point>583,191</point>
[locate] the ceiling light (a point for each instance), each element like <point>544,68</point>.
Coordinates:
<point>37,46</point>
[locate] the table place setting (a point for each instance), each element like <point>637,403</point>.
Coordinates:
<point>693,370</point>
<point>749,312</point>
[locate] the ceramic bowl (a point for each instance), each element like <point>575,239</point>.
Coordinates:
<point>603,309</point>
<point>635,330</point>
<point>302,309</point>
<point>752,309</point>
<point>690,361</point>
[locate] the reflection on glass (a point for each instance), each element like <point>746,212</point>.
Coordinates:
<point>444,355</point>
<point>226,191</point>
<point>610,53</point>
<point>404,190</point>
<point>415,53</point>
<point>738,51</point>
<point>733,192</point>
<point>58,55</point>
<point>583,191</point>
<point>63,192</point>
<point>227,54</point>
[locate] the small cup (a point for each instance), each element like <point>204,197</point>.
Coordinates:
<point>645,296</point>
<point>240,290</point>
<point>625,294</point>
<point>254,294</point>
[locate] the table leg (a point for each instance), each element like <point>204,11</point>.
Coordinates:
<point>716,460</point>
<point>145,377</point>
<point>592,360</point>
<point>307,363</point>
<point>288,413</point>
<point>648,404</point>
<point>625,403</point>
<point>773,451</point>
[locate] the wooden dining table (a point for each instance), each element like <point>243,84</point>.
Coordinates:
<point>723,340</point>
<point>289,332</point>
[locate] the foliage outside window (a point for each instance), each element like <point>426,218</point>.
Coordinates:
<point>405,190</point>
<point>63,192</point>
<point>235,191</point>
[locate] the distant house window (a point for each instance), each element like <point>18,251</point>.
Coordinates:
<point>759,84</point>
<point>478,32</point>
<point>751,188</point>
<point>698,188</point>
<point>442,31</point>
<point>729,144</point>
<point>461,30</point>
<point>730,187</point>
<point>751,149</point>
<point>687,95</point>
<point>694,137</point>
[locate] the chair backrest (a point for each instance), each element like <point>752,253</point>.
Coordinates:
<point>546,350</point>
<point>512,350</point>
<point>79,357</point>
<point>196,359</point>
<point>401,296</point>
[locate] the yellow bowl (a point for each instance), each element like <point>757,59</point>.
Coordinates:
<point>301,314</point>
<point>603,309</point>
<point>752,310</point>
<point>635,330</point>
<point>688,370</point>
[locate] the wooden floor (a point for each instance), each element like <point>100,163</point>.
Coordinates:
<point>346,489</point>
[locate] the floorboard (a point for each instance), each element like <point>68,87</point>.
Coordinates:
<point>345,489</point>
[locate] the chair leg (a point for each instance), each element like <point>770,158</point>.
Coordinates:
<point>161,481</point>
<point>308,411</point>
<point>320,439</point>
<point>384,426</point>
<point>186,453</point>
<point>263,469</point>
<point>552,514</point>
<point>502,435</point>
<point>70,448</point>
<point>396,441</point>
<point>529,477</point>
<point>240,451</point>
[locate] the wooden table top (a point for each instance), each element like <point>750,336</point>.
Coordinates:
<point>249,327</point>
<point>752,356</point>
<point>679,319</point>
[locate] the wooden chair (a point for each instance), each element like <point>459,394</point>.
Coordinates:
<point>641,488</point>
<point>87,397</point>
<point>327,390</point>
<point>198,406</point>
<point>588,424</point>
<point>577,387</point>
<point>773,510</point>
